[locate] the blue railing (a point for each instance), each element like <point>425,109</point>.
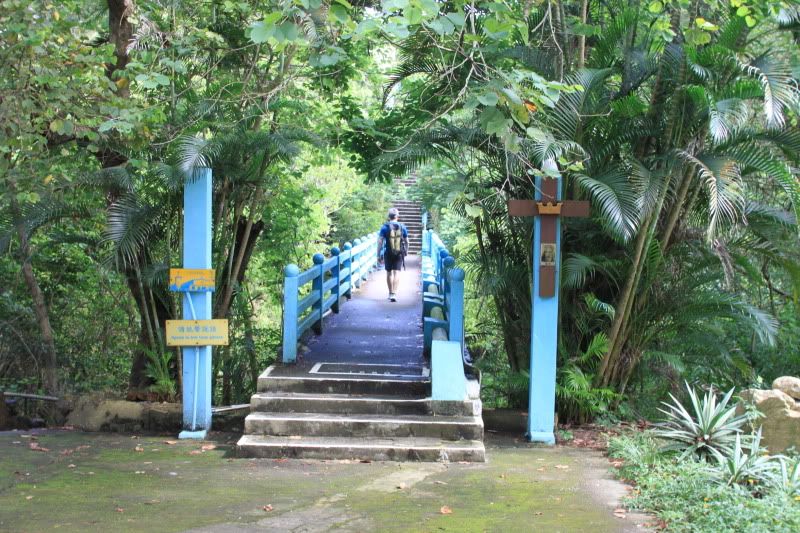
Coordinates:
<point>443,319</point>
<point>330,280</point>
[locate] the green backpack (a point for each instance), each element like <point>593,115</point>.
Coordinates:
<point>396,244</point>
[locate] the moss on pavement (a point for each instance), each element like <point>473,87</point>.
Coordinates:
<point>116,482</point>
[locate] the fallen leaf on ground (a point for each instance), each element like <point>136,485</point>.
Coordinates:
<point>152,502</point>
<point>35,447</point>
<point>139,472</point>
<point>119,510</point>
<point>445,510</point>
<point>620,513</point>
<point>28,497</point>
<point>540,469</point>
<point>267,508</point>
<point>138,448</point>
<point>437,482</point>
<point>195,452</point>
<point>401,486</point>
<point>562,467</point>
<point>70,466</point>
<point>170,442</point>
<point>206,447</point>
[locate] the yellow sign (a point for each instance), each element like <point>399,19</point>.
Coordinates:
<point>191,280</point>
<point>197,332</point>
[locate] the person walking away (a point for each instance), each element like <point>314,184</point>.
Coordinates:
<point>392,247</point>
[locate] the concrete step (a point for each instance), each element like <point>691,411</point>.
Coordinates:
<point>412,387</point>
<point>365,426</point>
<point>346,405</point>
<point>397,449</point>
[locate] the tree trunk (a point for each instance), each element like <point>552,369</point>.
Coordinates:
<point>120,34</point>
<point>582,38</point>
<point>50,365</point>
<point>247,234</point>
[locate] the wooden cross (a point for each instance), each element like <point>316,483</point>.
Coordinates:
<point>548,209</point>
<point>544,306</point>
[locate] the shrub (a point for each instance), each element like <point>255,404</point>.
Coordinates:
<point>710,429</point>
<point>787,477</point>
<point>688,496</point>
<point>739,467</point>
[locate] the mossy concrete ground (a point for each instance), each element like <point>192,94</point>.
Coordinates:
<point>115,482</point>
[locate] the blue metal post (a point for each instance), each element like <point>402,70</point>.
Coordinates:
<point>455,306</point>
<point>337,268</point>
<point>440,274</point>
<point>357,263</point>
<point>348,265</point>
<point>544,339</point>
<point>290,274</point>
<point>196,375</point>
<point>316,286</point>
<point>447,265</point>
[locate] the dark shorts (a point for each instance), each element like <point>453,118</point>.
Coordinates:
<point>393,262</point>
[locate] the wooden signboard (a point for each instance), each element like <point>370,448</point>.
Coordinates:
<point>197,332</point>
<point>191,280</point>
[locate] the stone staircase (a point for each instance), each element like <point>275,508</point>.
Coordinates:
<point>363,416</point>
<point>410,216</point>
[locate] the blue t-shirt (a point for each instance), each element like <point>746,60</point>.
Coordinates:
<point>386,230</point>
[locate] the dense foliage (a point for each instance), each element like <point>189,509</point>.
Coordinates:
<point>696,496</point>
<point>677,119</point>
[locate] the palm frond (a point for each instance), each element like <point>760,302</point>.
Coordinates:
<point>780,87</point>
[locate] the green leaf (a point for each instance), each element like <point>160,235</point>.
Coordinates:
<point>494,121</point>
<point>339,13</point>
<point>489,99</point>
<point>456,18</point>
<point>260,32</point>
<point>413,15</point>
<point>655,7</point>
<point>512,96</point>
<point>442,26</point>
<point>473,211</point>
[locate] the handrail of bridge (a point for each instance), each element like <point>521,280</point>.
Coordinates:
<point>443,320</point>
<point>330,279</point>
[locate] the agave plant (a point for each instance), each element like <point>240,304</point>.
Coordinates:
<point>711,429</point>
<point>787,477</point>
<point>742,466</point>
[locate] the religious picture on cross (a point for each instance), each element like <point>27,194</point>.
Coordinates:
<point>547,257</point>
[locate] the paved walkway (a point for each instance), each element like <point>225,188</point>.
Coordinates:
<point>370,329</point>
<point>80,482</point>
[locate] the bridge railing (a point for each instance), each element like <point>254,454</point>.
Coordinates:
<point>443,319</point>
<point>330,278</point>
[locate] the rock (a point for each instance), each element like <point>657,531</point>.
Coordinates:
<point>164,416</point>
<point>4,416</point>
<point>788,384</point>
<point>780,425</point>
<point>505,420</point>
<point>98,414</point>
